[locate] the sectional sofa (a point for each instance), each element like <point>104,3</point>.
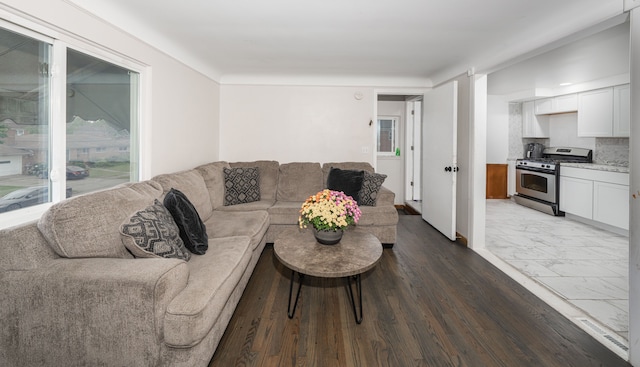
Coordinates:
<point>74,295</point>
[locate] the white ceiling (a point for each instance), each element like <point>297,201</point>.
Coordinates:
<point>427,40</point>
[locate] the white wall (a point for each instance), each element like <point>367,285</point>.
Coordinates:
<point>393,166</point>
<point>296,123</point>
<point>182,126</point>
<point>563,132</point>
<point>497,129</point>
<point>463,186</point>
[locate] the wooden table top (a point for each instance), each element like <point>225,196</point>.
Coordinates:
<point>357,252</point>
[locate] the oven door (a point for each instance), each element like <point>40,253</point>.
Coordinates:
<point>539,185</point>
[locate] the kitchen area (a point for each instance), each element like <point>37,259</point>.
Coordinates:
<point>559,123</point>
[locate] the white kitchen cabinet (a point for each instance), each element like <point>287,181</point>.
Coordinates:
<point>601,196</point>
<point>611,204</point>
<point>559,104</point>
<point>576,196</point>
<point>543,106</point>
<point>595,113</point>
<point>621,110</point>
<point>533,126</point>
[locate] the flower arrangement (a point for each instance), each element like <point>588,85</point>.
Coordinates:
<point>329,210</point>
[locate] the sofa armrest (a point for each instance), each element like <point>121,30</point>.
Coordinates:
<point>93,311</point>
<point>385,197</point>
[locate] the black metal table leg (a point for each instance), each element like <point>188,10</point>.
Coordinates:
<point>291,312</point>
<point>353,304</point>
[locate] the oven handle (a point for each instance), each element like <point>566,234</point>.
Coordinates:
<point>535,169</point>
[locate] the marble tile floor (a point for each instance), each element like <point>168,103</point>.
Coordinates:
<point>586,266</point>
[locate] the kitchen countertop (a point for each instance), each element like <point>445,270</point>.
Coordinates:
<point>598,167</point>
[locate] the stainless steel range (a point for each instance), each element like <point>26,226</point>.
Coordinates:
<point>538,179</point>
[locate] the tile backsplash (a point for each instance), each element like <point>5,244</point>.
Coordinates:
<point>612,151</point>
<point>609,151</point>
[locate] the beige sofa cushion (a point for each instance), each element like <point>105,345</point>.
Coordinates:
<point>212,278</point>
<point>297,181</point>
<point>193,185</point>
<point>89,225</point>
<point>24,248</point>
<point>253,224</point>
<point>213,175</point>
<point>378,216</point>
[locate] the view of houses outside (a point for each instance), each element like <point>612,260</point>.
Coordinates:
<point>98,125</point>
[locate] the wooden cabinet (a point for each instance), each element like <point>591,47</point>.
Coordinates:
<point>597,195</point>
<point>559,104</point>
<point>497,181</point>
<point>533,126</point>
<point>595,113</point>
<point>621,110</point>
<point>605,112</point>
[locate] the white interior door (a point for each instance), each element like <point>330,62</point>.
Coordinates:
<point>439,160</point>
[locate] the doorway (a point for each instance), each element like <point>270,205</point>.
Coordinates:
<point>398,126</point>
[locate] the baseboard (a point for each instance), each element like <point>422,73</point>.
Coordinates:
<point>462,239</point>
<point>407,209</point>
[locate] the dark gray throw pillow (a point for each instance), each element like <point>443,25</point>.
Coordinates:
<point>241,185</point>
<point>193,232</point>
<point>370,186</point>
<point>347,181</point>
<point>152,232</point>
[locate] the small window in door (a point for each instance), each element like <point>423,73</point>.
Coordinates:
<point>388,135</point>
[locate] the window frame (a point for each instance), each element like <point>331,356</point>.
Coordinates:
<point>60,42</point>
<point>396,135</point>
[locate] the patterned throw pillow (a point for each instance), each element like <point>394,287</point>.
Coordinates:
<point>152,232</point>
<point>241,185</point>
<point>370,186</point>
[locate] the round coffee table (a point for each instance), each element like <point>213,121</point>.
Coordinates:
<point>356,253</point>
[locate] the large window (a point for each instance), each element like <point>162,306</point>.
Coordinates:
<point>99,123</point>
<point>48,153</point>
<point>24,120</point>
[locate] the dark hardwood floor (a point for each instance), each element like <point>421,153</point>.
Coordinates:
<point>427,303</point>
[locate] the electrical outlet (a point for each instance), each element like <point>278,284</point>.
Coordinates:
<point>365,150</point>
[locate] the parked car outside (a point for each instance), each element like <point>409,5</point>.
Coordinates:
<point>73,172</point>
<point>76,173</point>
<point>25,197</point>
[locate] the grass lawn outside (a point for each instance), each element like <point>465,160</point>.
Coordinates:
<point>115,171</point>
<point>7,189</point>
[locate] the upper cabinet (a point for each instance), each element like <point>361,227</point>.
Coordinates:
<point>560,104</point>
<point>595,113</point>
<point>621,110</point>
<point>533,126</point>
<point>604,112</point>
